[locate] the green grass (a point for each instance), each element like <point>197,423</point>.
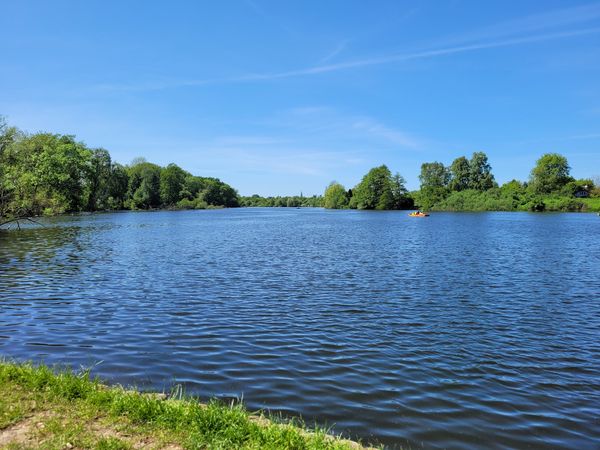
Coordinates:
<point>65,409</point>
<point>591,204</point>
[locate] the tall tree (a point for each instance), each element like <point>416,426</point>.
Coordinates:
<point>144,186</point>
<point>460,174</point>
<point>99,175</point>
<point>217,193</point>
<point>335,196</point>
<point>117,186</point>
<point>172,180</point>
<point>550,173</point>
<point>47,173</point>
<point>7,138</point>
<point>378,189</point>
<point>401,198</point>
<point>434,179</point>
<point>480,178</point>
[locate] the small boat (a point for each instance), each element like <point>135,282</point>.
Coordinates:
<point>418,214</point>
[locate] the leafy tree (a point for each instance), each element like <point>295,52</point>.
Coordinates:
<point>335,196</point>
<point>46,173</point>
<point>400,194</point>
<point>217,193</point>
<point>550,173</point>
<point>117,186</point>
<point>8,135</point>
<point>434,179</point>
<point>137,160</point>
<point>99,176</point>
<point>144,186</point>
<point>460,174</point>
<point>480,172</point>
<point>292,201</point>
<point>378,189</point>
<point>172,181</point>
<point>7,138</point>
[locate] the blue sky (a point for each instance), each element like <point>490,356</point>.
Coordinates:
<point>282,97</point>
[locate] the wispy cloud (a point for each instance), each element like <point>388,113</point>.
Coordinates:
<point>283,160</point>
<point>311,141</point>
<point>528,25</point>
<point>332,125</point>
<point>379,130</point>
<point>339,48</point>
<point>531,29</point>
<point>403,57</point>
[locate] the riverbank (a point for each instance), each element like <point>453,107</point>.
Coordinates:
<point>40,408</point>
<point>497,200</point>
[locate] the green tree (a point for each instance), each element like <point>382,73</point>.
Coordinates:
<point>400,194</point>
<point>217,193</point>
<point>144,186</point>
<point>172,181</point>
<point>378,189</point>
<point>460,174</point>
<point>7,138</point>
<point>99,175</point>
<point>480,173</point>
<point>434,180</point>
<point>550,173</point>
<point>335,196</point>
<point>46,173</point>
<point>117,187</point>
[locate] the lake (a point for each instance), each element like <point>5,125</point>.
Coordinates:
<point>472,330</point>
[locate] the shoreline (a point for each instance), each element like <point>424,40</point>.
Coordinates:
<point>64,409</point>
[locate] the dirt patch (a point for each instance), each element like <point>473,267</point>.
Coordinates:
<point>141,442</point>
<point>27,433</point>
<point>22,432</point>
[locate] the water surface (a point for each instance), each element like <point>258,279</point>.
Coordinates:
<point>455,331</point>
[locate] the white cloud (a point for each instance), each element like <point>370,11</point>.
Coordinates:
<point>525,30</point>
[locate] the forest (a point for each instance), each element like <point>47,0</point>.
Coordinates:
<point>469,185</point>
<point>45,173</point>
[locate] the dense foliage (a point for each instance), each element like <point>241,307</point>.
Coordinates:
<point>378,189</point>
<point>46,173</point>
<point>469,185</point>
<point>295,201</point>
<point>336,197</point>
<point>550,173</point>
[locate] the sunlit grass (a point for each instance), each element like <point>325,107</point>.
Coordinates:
<point>73,409</point>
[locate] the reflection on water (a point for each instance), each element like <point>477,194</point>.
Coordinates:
<point>459,331</point>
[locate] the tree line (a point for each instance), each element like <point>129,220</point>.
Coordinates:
<point>468,184</point>
<point>292,201</point>
<point>378,189</point>
<point>45,173</point>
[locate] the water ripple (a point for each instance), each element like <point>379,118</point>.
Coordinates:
<point>460,331</point>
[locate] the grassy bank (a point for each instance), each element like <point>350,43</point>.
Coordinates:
<point>507,199</point>
<point>40,408</point>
